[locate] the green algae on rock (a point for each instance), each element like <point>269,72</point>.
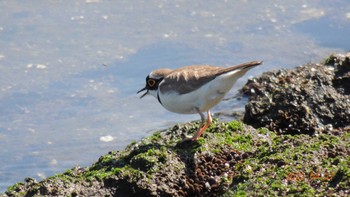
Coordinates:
<point>306,155</point>
<point>157,165</point>
<point>232,159</point>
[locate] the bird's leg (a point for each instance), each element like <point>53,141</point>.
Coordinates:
<point>202,129</point>
<point>189,137</point>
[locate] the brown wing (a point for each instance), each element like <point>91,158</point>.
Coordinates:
<point>190,78</point>
<point>243,66</point>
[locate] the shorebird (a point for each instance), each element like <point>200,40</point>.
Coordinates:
<point>194,89</point>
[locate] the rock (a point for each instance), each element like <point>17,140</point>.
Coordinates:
<point>309,99</point>
<point>233,158</point>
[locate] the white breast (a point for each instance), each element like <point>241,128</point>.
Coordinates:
<point>203,98</point>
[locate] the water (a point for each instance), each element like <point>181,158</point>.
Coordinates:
<point>70,70</point>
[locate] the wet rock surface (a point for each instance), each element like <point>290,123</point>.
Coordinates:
<point>303,148</point>
<point>308,99</point>
<point>160,165</point>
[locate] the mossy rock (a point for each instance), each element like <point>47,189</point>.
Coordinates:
<point>230,159</point>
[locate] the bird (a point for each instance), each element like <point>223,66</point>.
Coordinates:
<point>194,89</point>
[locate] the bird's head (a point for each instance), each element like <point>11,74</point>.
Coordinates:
<point>153,80</point>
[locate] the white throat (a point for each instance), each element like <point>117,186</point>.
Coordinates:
<point>153,93</point>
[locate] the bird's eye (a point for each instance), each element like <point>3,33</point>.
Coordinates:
<point>151,82</point>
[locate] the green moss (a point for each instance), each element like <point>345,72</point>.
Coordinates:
<point>143,162</point>
<point>155,137</point>
<point>129,146</point>
<point>241,142</point>
<point>201,141</point>
<point>14,187</point>
<point>235,126</point>
<point>68,177</point>
<point>240,194</point>
<point>277,185</point>
<point>268,165</point>
<point>131,173</point>
<point>69,172</point>
<point>292,165</point>
<point>117,171</point>
<point>107,159</point>
<point>96,174</point>
<point>263,130</point>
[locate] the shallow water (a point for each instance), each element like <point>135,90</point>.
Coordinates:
<point>70,70</point>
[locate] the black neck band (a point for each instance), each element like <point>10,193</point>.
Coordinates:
<point>159,98</point>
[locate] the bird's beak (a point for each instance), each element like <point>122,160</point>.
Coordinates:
<point>143,89</point>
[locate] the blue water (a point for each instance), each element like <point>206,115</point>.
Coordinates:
<point>70,70</point>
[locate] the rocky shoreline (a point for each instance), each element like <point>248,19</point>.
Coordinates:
<point>294,139</point>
